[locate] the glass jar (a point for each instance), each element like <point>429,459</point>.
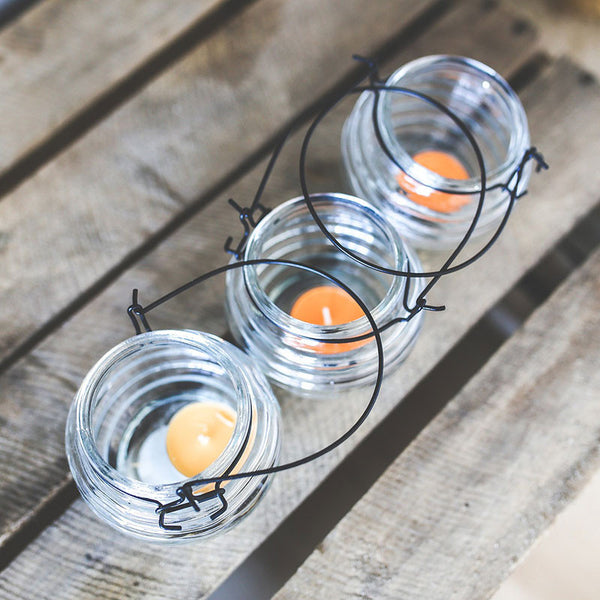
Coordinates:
<point>432,151</point>
<point>116,432</point>
<point>295,354</point>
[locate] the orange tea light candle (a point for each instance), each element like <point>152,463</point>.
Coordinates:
<point>443,164</point>
<point>197,435</point>
<point>328,305</point>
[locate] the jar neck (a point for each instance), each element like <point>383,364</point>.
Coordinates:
<point>464,86</point>
<point>103,386</point>
<point>361,220</point>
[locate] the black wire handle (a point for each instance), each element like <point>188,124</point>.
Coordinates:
<point>185,493</point>
<point>377,85</point>
<point>252,215</point>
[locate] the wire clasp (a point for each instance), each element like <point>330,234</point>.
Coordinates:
<point>187,499</point>
<point>136,313</point>
<point>372,68</point>
<point>514,181</point>
<point>249,221</point>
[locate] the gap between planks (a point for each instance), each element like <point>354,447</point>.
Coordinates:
<point>13,9</point>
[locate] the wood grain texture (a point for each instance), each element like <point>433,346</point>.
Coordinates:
<point>95,560</point>
<point>454,513</point>
<point>85,212</point>
<point>61,55</point>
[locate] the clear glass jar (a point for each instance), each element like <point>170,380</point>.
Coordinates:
<point>293,352</point>
<point>116,430</point>
<point>416,133</point>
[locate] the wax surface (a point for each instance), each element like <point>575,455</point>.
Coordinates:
<point>443,164</point>
<point>197,435</point>
<point>328,305</point>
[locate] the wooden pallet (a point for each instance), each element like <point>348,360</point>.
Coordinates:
<point>132,194</point>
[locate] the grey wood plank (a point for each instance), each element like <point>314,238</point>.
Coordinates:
<point>86,211</point>
<point>115,565</point>
<point>457,510</point>
<point>61,55</point>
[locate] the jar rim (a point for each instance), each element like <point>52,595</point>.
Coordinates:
<point>517,145</point>
<point>306,330</point>
<point>215,347</point>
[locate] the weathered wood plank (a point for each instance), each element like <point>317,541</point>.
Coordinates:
<point>84,213</point>
<point>114,563</point>
<point>454,513</point>
<point>62,55</point>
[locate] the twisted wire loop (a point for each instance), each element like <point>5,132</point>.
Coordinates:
<point>187,499</point>
<point>251,216</point>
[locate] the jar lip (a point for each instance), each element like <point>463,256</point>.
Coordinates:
<point>216,348</point>
<point>518,143</point>
<point>306,330</point>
